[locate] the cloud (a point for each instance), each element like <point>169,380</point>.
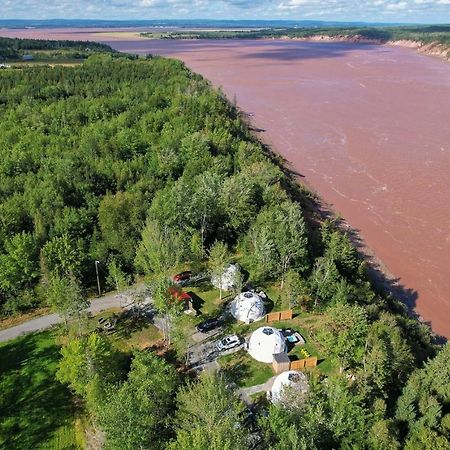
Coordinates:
<point>397,6</point>
<point>344,10</point>
<point>293,4</point>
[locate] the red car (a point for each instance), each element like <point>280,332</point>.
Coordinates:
<point>183,276</point>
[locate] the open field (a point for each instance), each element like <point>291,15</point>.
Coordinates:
<point>243,370</point>
<point>130,332</point>
<point>36,411</point>
<point>118,35</point>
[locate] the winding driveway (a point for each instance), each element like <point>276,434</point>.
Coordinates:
<point>43,322</point>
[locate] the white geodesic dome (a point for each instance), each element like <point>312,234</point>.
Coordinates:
<point>229,278</point>
<point>248,307</point>
<point>266,342</point>
<point>296,383</point>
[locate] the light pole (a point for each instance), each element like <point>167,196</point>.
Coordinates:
<point>98,279</point>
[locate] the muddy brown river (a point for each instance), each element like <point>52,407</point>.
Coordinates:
<point>367,126</point>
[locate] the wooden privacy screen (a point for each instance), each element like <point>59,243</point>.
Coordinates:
<point>302,363</point>
<point>286,315</point>
<point>297,365</point>
<point>279,315</point>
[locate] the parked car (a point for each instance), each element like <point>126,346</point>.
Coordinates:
<point>183,276</point>
<point>208,325</point>
<point>228,342</point>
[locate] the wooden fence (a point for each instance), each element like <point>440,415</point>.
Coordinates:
<point>279,315</point>
<point>302,363</point>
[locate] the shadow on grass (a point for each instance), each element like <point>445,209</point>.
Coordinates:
<point>202,286</point>
<point>197,302</point>
<point>33,404</point>
<point>127,324</point>
<point>268,305</point>
<point>236,373</point>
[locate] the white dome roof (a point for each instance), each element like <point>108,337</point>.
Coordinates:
<point>295,380</point>
<point>247,307</point>
<point>228,280</point>
<point>266,342</point>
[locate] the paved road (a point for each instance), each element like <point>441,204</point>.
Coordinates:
<point>42,323</point>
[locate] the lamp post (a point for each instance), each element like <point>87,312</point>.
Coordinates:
<point>98,279</point>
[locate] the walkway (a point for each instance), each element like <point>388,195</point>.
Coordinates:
<point>246,393</point>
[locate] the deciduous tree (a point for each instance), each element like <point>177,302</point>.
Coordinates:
<point>86,358</point>
<point>137,413</point>
<point>209,417</point>
<point>344,334</point>
<point>160,249</point>
<point>65,296</point>
<point>219,259</point>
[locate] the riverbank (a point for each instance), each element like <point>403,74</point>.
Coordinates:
<point>365,127</point>
<point>431,49</point>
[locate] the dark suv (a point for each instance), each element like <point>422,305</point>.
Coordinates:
<point>208,325</point>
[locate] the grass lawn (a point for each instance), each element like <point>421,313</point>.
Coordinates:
<point>243,370</point>
<point>36,411</point>
<point>304,323</point>
<point>207,299</point>
<point>130,332</point>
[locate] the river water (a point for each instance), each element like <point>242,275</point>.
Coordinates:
<point>367,126</point>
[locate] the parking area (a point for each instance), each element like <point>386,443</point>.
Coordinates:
<point>203,354</point>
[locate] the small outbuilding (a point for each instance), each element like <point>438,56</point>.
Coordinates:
<point>288,384</point>
<point>27,57</point>
<point>281,362</point>
<point>266,342</point>
<point>183,297</point>
<point>229,278</point>
<point>248,307</point>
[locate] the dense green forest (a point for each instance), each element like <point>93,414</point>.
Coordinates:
<point>14,49</point>
<point>141,165</point>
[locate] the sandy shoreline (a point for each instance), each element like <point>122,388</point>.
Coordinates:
<point>431,49</point>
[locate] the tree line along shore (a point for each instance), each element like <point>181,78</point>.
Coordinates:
<point>432,39</point>
<point>137,167</point>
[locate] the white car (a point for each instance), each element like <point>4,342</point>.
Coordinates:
<point>228,343</point>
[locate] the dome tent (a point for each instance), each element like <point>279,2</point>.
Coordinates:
<point>229,278</point>
<point>292,380</point>
<point>266,342</point>
<point>248,307</point>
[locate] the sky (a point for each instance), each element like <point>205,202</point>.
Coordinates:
<point>416,11</point>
